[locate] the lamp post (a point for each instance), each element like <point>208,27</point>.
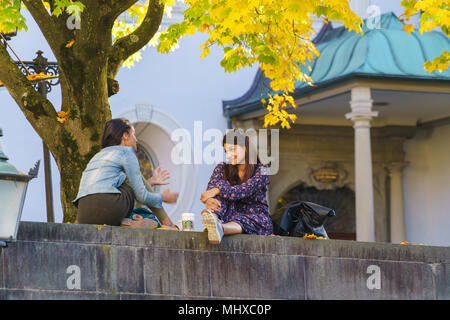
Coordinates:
<point>13,188</point>
<point>40,65</point>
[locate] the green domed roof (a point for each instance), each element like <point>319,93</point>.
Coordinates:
<point>384,52</point>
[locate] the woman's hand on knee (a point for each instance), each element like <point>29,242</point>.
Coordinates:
<point>213,204</point>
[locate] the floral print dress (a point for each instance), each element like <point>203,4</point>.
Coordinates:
<point>246,203</point>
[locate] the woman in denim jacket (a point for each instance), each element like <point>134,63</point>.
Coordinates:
<point>104,197</point>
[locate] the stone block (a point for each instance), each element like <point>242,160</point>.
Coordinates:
<point>333,278</point>
<point>41,265</point>
<point>365,250</point>
<point>105,268</point>
<point>194,241</point>
<point>230,276</point>
<point>129,269</point>
<point>442,280</point>
<point>64,232</point>
<point>251,244</point>
<point>177,272</point>
<point>119,269</point>
<point>276,276</point>
<point>290,273</point>
<point>159,238</point>
<point>258,276</point>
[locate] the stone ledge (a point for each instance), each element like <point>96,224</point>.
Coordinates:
<point>93,234</point>
<point>123,263</point>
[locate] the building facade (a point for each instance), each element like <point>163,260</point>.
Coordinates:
<point>355,146</point>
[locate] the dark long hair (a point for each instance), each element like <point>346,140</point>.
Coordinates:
<point>114,130</point>
<point>238,137</point>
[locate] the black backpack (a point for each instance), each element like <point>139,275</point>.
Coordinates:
<point>301,218</point>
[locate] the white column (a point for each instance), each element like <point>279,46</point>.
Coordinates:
<point>361,115</point>
<point>397,211</point>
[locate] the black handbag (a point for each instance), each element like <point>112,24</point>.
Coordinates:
<point>301,218</point>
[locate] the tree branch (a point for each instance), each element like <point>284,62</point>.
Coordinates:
<point>38,110</point>
<point>128,45</point>
<point>119,6</point>
<point>51,31</point>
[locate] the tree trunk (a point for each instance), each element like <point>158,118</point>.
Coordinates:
<point>84,69</point>
<point>79,137</point>
<point>70,181</point>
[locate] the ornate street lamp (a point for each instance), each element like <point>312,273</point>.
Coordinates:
<point>39,65</point>
<point>13,187</point>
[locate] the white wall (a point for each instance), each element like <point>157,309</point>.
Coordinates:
<point>427,187</point>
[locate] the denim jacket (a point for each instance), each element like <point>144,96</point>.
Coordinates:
<point>109,168</point>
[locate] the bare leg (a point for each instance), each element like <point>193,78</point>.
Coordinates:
<point>230,227</point>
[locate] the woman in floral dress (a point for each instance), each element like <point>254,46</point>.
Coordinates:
<point>235,198</point>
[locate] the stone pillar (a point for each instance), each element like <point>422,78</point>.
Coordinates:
<point>361,115</point>
<point>397,211</point>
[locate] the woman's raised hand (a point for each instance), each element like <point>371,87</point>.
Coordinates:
<point>159,177</point>
<point>169,196</point>
<point>211,193</point>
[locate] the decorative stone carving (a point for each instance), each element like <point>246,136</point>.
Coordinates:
<point>326,176</point>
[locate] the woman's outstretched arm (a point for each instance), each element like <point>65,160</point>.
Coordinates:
<point>131,166</point>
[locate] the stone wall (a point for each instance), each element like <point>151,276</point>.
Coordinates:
<point>64,261</point>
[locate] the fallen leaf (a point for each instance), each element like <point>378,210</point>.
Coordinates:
<point>313,236</point>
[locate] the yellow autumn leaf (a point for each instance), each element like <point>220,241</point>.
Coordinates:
<point>70,43</point>
<point>408,28</point>
<point>35,77</point>
<point>204,53</point>
<point>313,236</point>
<point>39,76</point>
<point>62,116</point>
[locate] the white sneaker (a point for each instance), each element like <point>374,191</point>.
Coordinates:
<point>213,226</point>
